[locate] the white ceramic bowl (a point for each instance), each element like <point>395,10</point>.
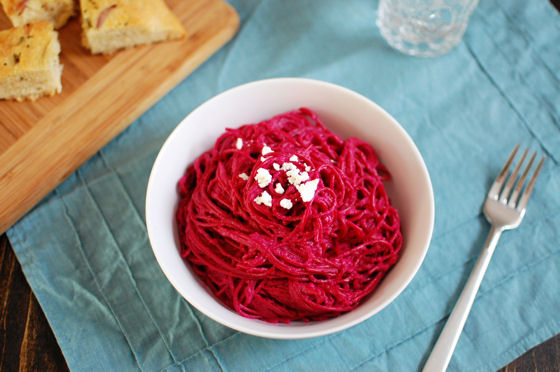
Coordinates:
<point>341,110</point>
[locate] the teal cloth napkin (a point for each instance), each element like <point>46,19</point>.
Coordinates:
<point>86,255</point>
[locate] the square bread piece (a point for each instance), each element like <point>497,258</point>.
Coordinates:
<point>29,62</point>
<point>22,12</point>
<point>109,25</point>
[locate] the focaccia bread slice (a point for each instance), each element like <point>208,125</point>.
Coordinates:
<point>29,62</point>
<point>21,12</point>
<point>110,25</point>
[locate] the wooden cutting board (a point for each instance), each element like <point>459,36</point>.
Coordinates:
<point>43,142</point>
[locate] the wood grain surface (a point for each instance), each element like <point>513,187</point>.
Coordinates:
<point>26,340</point>
<point>28,344</point>
<point>42,142</point>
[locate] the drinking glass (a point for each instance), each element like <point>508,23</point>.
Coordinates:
<point>426,28</point>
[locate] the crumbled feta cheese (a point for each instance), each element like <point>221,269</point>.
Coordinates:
<point>266,150</point>
<point>264,198</point>
<point>295,177</point>
<point>263,177</point>
<point>239,143</point>
<point>307,167</point>
<point>286,203</point>
<point>279,189</point>
<point>243,176</point>
<point>288,166</point>
<point>307,190</point>
<point>276,166</point>
<point>294,158</point>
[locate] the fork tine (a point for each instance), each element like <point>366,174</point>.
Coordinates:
<point>507,188</point>
<point>529,189</point>
<point>515,194</point>
<point>497,185</point>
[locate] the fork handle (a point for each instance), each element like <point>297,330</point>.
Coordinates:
<point>445,345</point>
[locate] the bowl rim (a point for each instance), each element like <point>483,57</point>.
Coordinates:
<point>308,332</point>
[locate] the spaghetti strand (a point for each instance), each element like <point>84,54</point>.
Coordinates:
<point>286,221</point>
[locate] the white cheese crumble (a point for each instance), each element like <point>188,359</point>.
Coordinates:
<point>263,177</point>
<point>295,177</point>
<point>239,144</point>
<point>294,158</point>
<point>307,190</point>
<point>264,198</point>
<point>266,150</point>
<point>307,167</point>
<point>286,203</point>
<point>276,166</point>
<point>279,189</point>
<point>288,166</point>
<point>243,176</point>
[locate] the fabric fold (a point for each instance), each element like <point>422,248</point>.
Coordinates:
<point>85,252</point>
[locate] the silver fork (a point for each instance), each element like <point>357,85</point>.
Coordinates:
<point>504,209</point>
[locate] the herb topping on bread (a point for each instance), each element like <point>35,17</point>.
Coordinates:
<point>29,62</point>
<point>110,25</point>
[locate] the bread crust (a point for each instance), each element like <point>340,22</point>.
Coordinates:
<point>21,12</point>
<point>29,62</point>
<point>109,25</point>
